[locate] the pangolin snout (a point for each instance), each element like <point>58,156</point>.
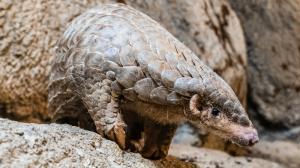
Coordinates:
<point>246,137</point>
<point>252,138</point>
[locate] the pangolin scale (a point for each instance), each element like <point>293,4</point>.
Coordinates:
<point>119,72</point>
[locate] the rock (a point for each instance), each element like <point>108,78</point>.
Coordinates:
<point>284,152</point>
<point>33,145</point>
<point>29,30</point>
<point>186,134</point>
<point>273,40</point>
<point>212,158</point>
<point>53,145</point>
<point>289,134</point>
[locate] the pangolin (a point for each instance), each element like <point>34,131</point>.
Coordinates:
<point>120,73</point>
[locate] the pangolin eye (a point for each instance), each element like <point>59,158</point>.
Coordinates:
<point>215,112</point>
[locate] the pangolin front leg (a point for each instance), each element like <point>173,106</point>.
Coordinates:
<point>135,128</point>
<point>95,91</point>
<point>158,138</point>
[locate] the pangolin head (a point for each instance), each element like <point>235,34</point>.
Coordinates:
<point>219,110</point>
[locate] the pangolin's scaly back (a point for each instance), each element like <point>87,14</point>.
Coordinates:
<point>146,60</point>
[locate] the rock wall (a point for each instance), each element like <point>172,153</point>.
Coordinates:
<point>272,31</point>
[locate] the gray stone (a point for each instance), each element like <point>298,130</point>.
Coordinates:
<point>54,145</point>
<point>272,31</point>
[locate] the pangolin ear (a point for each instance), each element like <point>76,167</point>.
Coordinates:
<point>194,102</point>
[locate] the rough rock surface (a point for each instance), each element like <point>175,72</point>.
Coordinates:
<point>41,145</point>
<point>272,30</point>
<point>215,159</point>
<point>284,152</point>
<point>29,30</point>
<point>33,145</point>
<point>280,151</point>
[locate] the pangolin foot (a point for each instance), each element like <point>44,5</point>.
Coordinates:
<point>118,134</point>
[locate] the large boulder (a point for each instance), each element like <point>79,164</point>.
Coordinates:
<point>213,159</point>
<point>33,145</point>
<point>272,30</point>
<point>284,152</point>
<point>53,145</point>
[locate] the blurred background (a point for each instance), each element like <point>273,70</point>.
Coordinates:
<point>253,44</point>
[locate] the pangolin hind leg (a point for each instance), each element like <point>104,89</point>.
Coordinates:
<point>94,90</point>
<point>158,138</point>
<point>82,120</point>
<point>74,113</point>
